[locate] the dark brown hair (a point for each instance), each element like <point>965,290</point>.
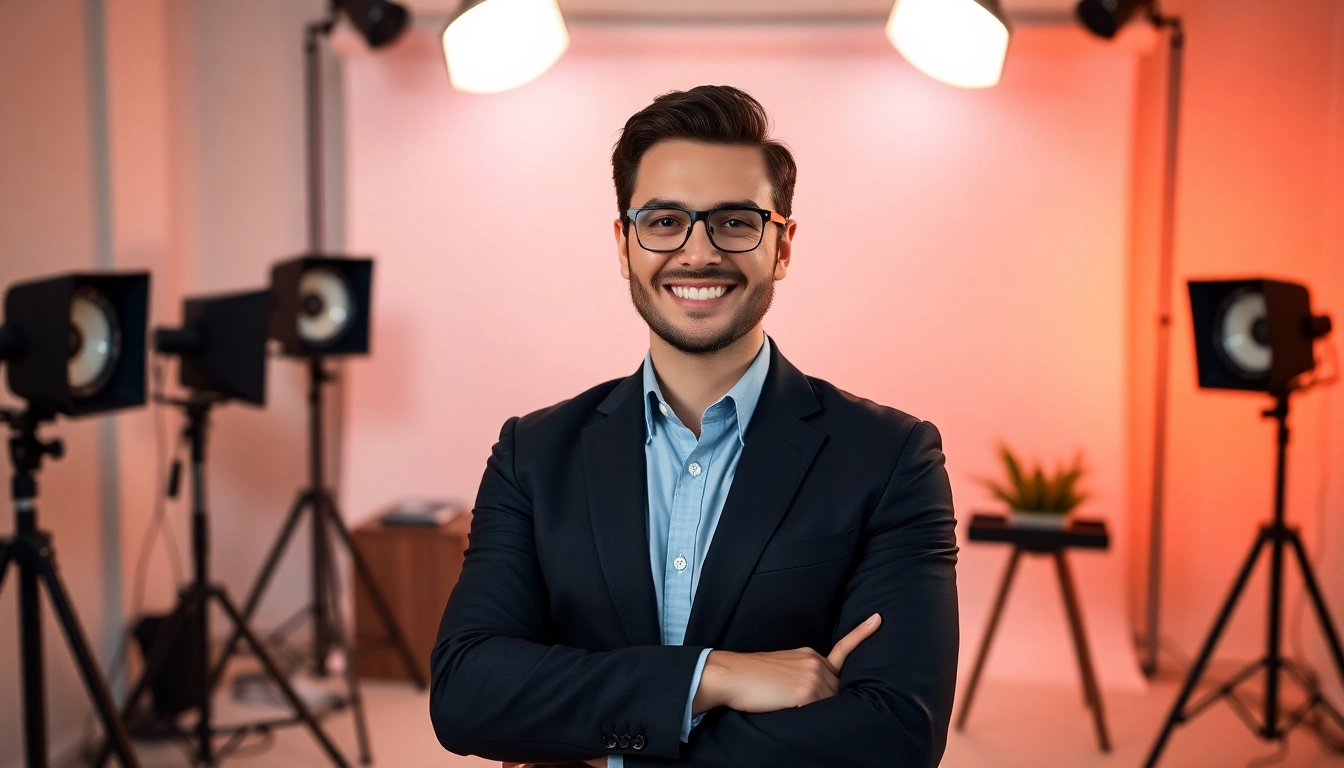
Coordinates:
<point>714,114</point>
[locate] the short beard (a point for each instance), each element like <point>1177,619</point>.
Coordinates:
<point>749,315</point>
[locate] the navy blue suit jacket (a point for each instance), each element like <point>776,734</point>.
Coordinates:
<point>549,647</point>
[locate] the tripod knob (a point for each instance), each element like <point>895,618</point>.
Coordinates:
<point>53,448</point>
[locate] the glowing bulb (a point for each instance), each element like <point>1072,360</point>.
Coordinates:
<point>958,42</point>
<point>501,44</point>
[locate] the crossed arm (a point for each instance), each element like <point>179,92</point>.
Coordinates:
<point>501,692</point>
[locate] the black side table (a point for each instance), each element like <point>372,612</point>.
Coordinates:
<point>1084,534</point>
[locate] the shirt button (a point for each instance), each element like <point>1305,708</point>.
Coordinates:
<point>694,469</point>
<point>679,563</point>
<point>663,407</point>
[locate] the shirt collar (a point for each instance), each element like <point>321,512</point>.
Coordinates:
<point>745,394</point>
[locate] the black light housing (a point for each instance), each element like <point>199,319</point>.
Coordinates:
<point>222,344</point>
<point>320,305</point>
<point>1254,334</point>
<point>75,344</point>
<point>380,22</point>
<point>1104,18</point>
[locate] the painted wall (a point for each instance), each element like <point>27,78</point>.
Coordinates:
<point>960,255</point>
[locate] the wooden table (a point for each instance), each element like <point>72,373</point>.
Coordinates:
<point>416,568</point>
<point>1083,534</point>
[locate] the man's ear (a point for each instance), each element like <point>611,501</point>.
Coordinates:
<point>622,248</point>
<point>784,249</point>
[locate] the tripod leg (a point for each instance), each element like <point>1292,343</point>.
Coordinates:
<point>1322,611</point>
<point>993,625</point>
<point>4,561</point>
<point>365,575</point>
<point>1206,653</point>
<point>88,668</point>
<point>1090,687</point>
<point>163,648</point>
<point>263,580</point>
<point>273,670</point>
<point>342,641</point>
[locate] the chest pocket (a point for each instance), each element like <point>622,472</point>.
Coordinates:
<point>813,550</point>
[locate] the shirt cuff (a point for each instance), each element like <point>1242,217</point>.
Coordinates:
<point>615,761</point>
<point>687,722</point>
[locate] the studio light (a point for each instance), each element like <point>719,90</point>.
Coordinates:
<point>222,345</point>
<point>496,45</point>
<point>320,305</point>
<point>1257,335</point>
<point>1106,17</point>
<point>1253,335</point>
<point>378,21</point>
<point>76,344</point>
<point>73,345</point>
<point>958,42</point>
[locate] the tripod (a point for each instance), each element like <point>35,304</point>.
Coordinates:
<point>328,626</point>
<point>190,619</point>
<point>30,551</point>
<point>1276,536</point>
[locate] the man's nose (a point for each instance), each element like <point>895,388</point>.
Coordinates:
<point>699,251</point>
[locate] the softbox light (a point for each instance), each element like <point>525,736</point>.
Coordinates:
<point>222,345</point>
<point>320,305</point>
<point>1253,334</point>
<point>75,344</point>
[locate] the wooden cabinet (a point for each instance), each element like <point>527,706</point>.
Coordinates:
<point>416,569</point>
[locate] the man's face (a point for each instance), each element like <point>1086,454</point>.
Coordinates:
<point>665,287</point>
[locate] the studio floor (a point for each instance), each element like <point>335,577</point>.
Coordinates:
<point>1014,725</point>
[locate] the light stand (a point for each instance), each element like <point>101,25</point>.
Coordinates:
<point>30,551</point>
<point>379,22</point>
<point>1277,535</point>
<point>190,619</point>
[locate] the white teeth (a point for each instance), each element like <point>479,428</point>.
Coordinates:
<point>699,294</point>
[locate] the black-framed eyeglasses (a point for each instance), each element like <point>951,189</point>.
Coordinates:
<point>731,230</point>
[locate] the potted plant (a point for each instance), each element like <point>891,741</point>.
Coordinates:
<point>1035,498</point>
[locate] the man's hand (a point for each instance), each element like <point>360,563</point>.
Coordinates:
<point>766,682</point>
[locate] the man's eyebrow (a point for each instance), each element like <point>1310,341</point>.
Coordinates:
<point>659,202</point>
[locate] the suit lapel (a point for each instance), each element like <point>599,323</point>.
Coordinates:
<point>779,449</point>
<point>614,473</point>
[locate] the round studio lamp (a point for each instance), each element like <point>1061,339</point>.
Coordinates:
<point>378,21</point>
<point>95,342</point>
<point>497,45</point>
<point>1104,18</point>
<point>326,307</point>
<point>1243,335</point>
<point>958,42</point>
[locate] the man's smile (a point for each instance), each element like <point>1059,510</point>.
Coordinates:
<point>698,295</point>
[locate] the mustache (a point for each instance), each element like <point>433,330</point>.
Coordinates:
<point>713,273</point>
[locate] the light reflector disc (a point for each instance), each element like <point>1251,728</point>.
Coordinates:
<point>958,42</point>
<point>501,44</point>
<point>326,309</point>
<point>95,343</point>
<point>1243,334</point>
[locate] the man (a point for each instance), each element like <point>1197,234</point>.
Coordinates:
<point>716,561</point>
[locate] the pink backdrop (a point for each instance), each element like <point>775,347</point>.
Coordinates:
<point>960,255</point>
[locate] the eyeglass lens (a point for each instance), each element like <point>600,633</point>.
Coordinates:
<point>668,229</point>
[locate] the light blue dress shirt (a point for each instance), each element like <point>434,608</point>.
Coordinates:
<point>688,480</point>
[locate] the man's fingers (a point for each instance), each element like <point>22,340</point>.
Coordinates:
<point>849,642</point>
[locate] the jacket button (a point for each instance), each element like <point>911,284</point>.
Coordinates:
<point>608,741</point>
<point>638,742</point>
<point>624,741</point>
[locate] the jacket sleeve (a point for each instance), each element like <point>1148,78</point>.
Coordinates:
<point>501,690</point>
<point>895,697</point>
